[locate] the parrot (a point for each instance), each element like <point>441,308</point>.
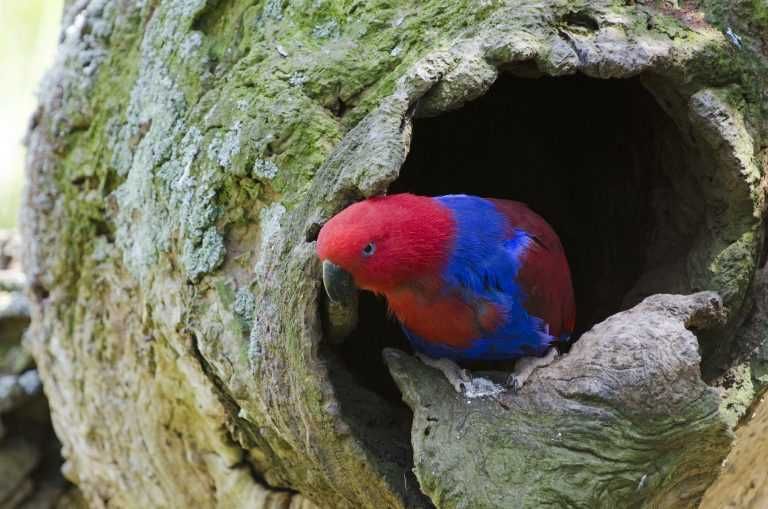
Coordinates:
<point>468,278</point>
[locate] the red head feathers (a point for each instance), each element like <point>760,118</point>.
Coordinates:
<point>388,241</point>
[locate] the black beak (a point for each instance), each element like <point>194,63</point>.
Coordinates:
<point>338,283</point>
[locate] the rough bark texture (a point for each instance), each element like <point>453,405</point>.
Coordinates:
<point>185,154</point>
<point>29,457</point>
<point>602,427</point>
<point>743,483</point>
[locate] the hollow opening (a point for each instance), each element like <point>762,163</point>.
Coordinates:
<point>589,155</point>
<point>600,160</point>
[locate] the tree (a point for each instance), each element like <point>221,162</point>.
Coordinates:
<point>186,153</point>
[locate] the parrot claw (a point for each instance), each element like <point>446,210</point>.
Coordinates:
<point>524,368</point>
<point>459,378</point>
<point>514,383</point>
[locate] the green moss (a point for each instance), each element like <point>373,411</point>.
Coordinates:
<point>241,303</point>
<point>237,200</point>
<point>751,14</point>
<point>225,291</point>
<point>733,267</point>
<point>745,65</point>
<point>759,15</point>
<point>84,175</point>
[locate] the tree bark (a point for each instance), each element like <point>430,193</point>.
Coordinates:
<point>183,158</point>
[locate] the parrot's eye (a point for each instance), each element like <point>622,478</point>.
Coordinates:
<point>369,249</point>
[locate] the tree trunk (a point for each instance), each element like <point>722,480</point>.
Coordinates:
<point>186,153</point>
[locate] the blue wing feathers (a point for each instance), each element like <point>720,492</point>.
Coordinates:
<point>484,265</point>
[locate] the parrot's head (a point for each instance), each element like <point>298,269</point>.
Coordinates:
<point>383,243</point>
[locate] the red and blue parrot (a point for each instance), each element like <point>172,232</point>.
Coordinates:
<point>468,278</point>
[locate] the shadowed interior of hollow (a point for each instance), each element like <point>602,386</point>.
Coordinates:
<point>585,154</point>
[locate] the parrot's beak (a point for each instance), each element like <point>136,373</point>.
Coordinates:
<point>338,283</point>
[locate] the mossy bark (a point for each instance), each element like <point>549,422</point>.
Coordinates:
<point>185,154</point>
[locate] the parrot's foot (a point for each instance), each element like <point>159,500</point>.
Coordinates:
<point>459,378</point>
<point>525,366</point>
